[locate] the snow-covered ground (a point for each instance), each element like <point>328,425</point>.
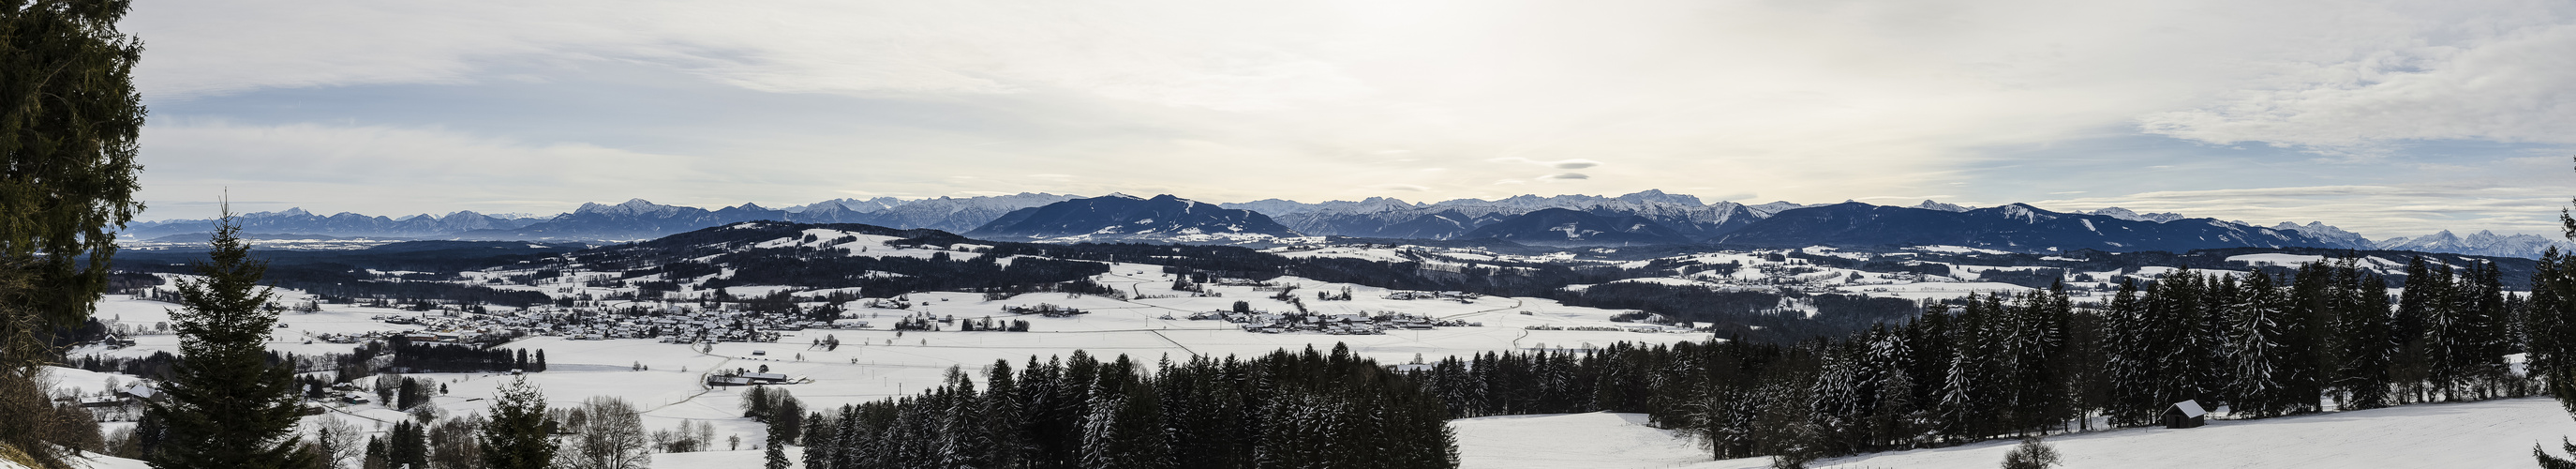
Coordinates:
<point>877,364</point>
<point>873,364</point>
<point>2497,433</point>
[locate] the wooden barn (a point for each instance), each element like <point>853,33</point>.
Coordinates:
<point>2185,414</point>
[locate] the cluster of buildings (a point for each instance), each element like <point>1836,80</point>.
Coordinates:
<point>1432,295</point>
<point>673,327</point>
<point>1644,329</point>
<point>742,378</point>
<point>1336,324</point>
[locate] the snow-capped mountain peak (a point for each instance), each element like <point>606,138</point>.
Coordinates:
<point>2025,213</point>
<point>630,207</point>
<point>1657,196</point>
<point>1774,207</point>
<point>2130,215</point>
<point>1928,204</point>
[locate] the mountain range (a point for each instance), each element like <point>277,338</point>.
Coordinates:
<point>1648,217</point>
<point>2014,227</point>
<point>1121,217</point>
<point>344,224</point>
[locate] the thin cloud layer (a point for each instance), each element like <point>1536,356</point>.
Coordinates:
<point>1997,101</point>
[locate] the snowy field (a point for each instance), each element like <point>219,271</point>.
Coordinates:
<point>2490,434</point>
<point>874,364</point>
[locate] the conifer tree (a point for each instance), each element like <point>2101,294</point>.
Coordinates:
<point>1006,422</point>
<point>2254,349</point>
<point>964,441</point>
<point>2411,328</point>
<point>2131,363</point>
<point>774,456</point>
<point>227,406</point>
<point>407,445</point>
<point>518,437</point>
<point>2551,355</point>
<point>374,458</point>
<point>2305,354</point>
<point>788,413</point>
<point>2487,332</point>
<point>69,121</point>
<point>2365,336</point>
<point>820,440</point>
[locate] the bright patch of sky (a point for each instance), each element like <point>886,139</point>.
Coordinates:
<point>2389,118</point>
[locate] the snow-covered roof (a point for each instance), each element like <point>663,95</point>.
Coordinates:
<point>2190,408</point>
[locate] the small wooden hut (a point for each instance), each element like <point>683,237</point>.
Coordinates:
<point>2185,414</point>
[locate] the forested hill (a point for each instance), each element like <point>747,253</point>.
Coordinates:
<point>2015,227</point>
<point>2386,263</point>
<point>392,272</point>
<point>853,255</point>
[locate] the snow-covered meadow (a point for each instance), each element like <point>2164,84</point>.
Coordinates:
<point>874,364</point>
<point>2486,434</point>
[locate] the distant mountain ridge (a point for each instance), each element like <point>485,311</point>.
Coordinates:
<point>344,224</point>
<point>2481,243</point>
<point>2013,227</point>
<point>1685,216</point>
<point>1568,227</point>
<point>1121,217</point>
<point>954,215</point>
<point>1380,217</point>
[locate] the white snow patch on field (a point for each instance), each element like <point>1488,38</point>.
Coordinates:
<point>1597,439</point>
<point>1934,290</point>
<point>1956,249</point>
<point>2497,433</point>
<point>2276,259</point>
<point>876,364</point>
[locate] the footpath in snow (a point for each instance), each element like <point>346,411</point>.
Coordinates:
<point>2496,433</point>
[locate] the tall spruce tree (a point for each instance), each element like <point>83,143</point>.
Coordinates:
<point>2305,356</point>
<point>774,455</point>
<point>1005,421</point>
<point>2553,320</point>
<point>2365,336</point>
<point>2556,321</point>
<point>518,437</point>
<point>2418,302</point>
<point>227,405</point>
<point>69,120</point>
<point>2130,361</point>
<point>2254,348</point>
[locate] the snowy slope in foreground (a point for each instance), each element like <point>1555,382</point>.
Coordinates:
<point>2478,434</point>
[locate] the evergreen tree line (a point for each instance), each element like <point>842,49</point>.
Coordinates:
<point>414,357</point>
<point>1283,409</point>
<point>2004,366</point>
<point>404,356</point>
<point>2549,331</point>
<point>343,283</point>
<point>1754,315</point>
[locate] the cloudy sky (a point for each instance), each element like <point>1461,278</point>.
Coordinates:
<point>2391,118</point>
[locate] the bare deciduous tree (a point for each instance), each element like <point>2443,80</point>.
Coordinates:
<point>608,433</point>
